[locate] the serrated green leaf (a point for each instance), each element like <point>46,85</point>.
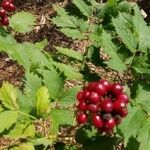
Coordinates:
<point>123,28</point>
<point>60,117</point>
<point>42,101</point>
<point>83,7</point>
<point>131,125</point>
<point>144,136</point>
<point>70,53</point>
<point>54,81</point>
<point>22,130</point>
<point>22,22</point>
<point>68,98</point>
<point>73,33</point>
<point>8,96</point>
<point>69,71</point>
<point>143,96</point>
<point>7,119</point>
<point>110,48</point>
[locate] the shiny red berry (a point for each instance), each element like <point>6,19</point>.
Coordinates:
<point>82,105</point>
<point>11,1</point>
<point>116,89</point>
<point>5,5</point>
<point>94,98</point>
<point>81,118</point>
<point>93,108</point>
<point>119,105</point>
<point>107,106</point>
<point>123,97</point>
<point>86,94</point>
<point>91,86</point>
<point>80,96</point>
<point>97,121</point>
<point>105,83</point>
<point>11,7</point>
<point>123,112</point>
<point>4,21</point>
<point>100,89</point>
<point>110,124</point>
<point>2,13</point>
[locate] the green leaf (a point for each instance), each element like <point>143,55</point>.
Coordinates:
<point>131,125</point>
<point>123,28</point>
<point>68,98</point>
<point>24,146</point>
<point>8,96</point>
<point>22,130</point>
<point>60,117</point>
<point>144,136</point>
<point>54,81</point>
<point>63,19</point>
<point>69,71</point>
<point>141,29</point>
<point>110,48</point>
<point>83,7</point>
<point>7,119</point>
<point>70,53</point>
<point>22,22</point>
<point>73,33</point>
<point>143,96</point>
<point>42,101</point>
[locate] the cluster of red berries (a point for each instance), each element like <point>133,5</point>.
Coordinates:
<point>102,104</point>
<point>6,6</point>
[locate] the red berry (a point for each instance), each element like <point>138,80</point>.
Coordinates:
<point>119,105</point>
<point>11,7</point>
<point>123,97</point>
<point>11,1</point>
<point>94,98</point>
<point>117,119</point>
<point>105,83</point>
<point>123,112</point>
<point>4,21</point>
<point>93,108</point>
<point>107,106</point>
<point>81,118</point>
<point>110,124</point>
<point>86,94</point>
<point>80,96</point>
<point>82,106</point>
<point>5,5</point>
<point>91,86</point>
<point>100,89</point>
<point>116,89</point>
<point>97,121</point>
<point>2,13</point>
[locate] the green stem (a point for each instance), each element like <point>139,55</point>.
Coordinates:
<point>20,112</point>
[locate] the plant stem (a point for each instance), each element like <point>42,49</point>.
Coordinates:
<point>25,114</point>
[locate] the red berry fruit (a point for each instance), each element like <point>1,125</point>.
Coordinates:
<point>2,13</point>
<point>119,105</point>
<point>4,21</point>
<point>94,97</point>
<point>123,112</point>
<point>11,7</point>
<point>123,97</point>
<point>93,108</point>
<point>97,121</point>
<point>91,86</point>
<point>81,118</point>
<point>107,106</point>
<point>82,106</point>
<point>5,5</point>
<point>100,89</point>
<point>110,124</point>
<point>105,83</point>
<point>11,1</point>
<point>86,94</point>
<point>116,89</point>
<point>80,96</point>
